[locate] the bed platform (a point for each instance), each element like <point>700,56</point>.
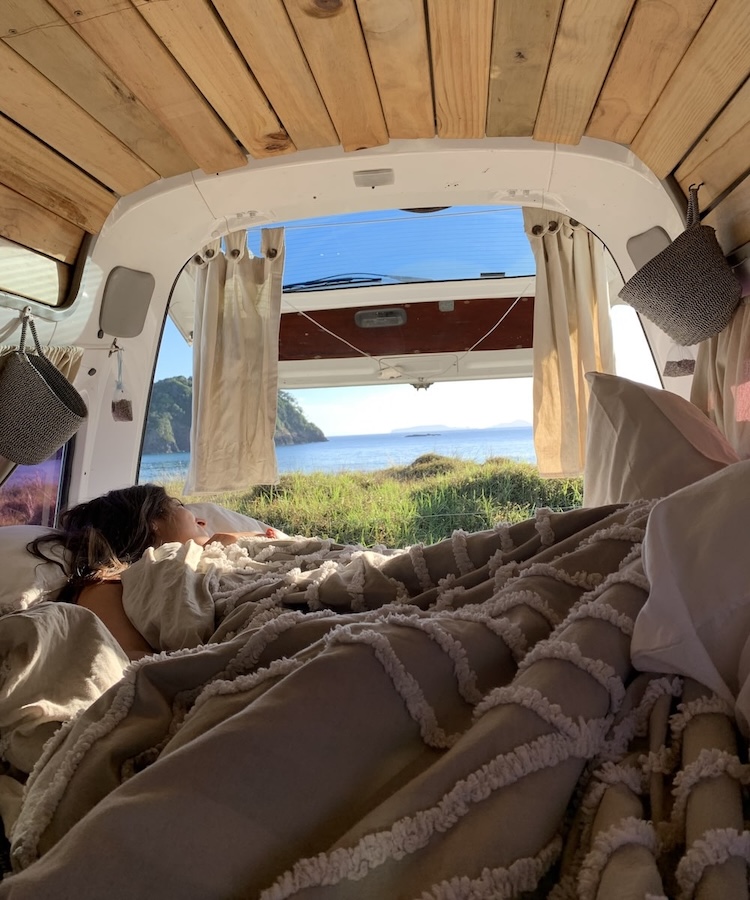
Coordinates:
<point>461,720</point>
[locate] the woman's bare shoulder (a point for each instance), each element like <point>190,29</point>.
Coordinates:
<point>105,601</point>
<point>102,592</point>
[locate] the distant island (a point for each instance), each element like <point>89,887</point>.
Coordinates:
<point>171,411</point>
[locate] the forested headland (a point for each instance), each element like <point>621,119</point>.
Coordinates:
<point>170,416</point>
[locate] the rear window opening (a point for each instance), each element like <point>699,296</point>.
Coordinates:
<point>345,267</point>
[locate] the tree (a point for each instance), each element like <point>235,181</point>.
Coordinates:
<point>170,416</point>
<point>292,425</point>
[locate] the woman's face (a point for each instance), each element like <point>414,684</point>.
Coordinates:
<point>180,525</point>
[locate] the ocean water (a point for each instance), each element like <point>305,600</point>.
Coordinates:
<point>368,452</point>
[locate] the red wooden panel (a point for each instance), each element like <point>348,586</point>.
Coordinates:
<point>427,330</point>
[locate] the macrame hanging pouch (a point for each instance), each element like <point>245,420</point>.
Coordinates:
<point>122,405</point>
<point>680,362</point>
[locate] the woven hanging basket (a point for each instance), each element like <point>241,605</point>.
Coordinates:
<point>39,408</point>
<point>688,289</point>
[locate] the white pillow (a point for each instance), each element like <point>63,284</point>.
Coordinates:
<point>25,578</point>
<point>644,443</point>
<point>696,621</point>
<point>219,518</point>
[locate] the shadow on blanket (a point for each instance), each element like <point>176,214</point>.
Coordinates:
<point>452,721</point>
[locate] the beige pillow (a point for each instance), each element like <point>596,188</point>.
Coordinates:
<point>219,518</point>
<point>643,442</point>
<point>696,621</point>
<point>25,579</point>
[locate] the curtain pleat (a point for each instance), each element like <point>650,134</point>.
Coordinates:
<point>235,364</point>
<point>721,384</point>
<point>572,336</point>
<point>66,359</point>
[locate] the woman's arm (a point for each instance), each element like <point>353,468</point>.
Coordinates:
<point>105,601</point>
<point>231,537</point>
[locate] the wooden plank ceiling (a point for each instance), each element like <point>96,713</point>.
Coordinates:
<point>99,98</point>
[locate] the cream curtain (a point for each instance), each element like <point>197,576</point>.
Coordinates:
<point>235,364</point>
<point>572,335</point>
<point>721,384</point>
<point>66,359</point>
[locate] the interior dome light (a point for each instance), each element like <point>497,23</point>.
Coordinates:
<point>380,318</point>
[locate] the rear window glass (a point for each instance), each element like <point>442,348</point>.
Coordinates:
<point>400,246</point>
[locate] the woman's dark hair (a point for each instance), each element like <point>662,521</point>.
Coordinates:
<point>104,536</point>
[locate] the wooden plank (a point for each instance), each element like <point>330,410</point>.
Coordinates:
<point>587,39</point>
<point>655,40</point>
<point>522,41</point>
<point>731,218</point>
<point>34,170</point>
<point>714,66</point>
<point>721,157</point>
<point>396,36</point>
<point>460,44</point>
<point>332,40</point>
<point>197,39</point>
<point>35,103</point>
<point>38,34</point>
<point>116,31</point>
<point>27,223</point>
<point>264,35</point>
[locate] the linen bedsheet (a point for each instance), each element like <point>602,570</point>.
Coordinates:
<point>453,721</point>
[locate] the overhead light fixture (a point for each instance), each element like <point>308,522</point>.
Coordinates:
<point>373,178</point>
<point>380,318</point>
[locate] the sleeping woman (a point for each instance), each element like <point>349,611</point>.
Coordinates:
<point>104,536</point>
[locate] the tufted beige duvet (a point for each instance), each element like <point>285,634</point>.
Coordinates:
<point>455,721</point>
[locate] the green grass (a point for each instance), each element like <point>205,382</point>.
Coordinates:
<point>422,502</point>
